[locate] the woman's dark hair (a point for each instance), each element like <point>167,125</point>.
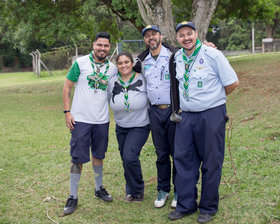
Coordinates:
<point>127,54</point>
<point>102,35</point>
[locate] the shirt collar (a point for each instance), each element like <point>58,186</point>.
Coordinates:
<point>164,52</point>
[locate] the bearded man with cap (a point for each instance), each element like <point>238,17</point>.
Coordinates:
<point>205,79</point>
<point>153,63</point>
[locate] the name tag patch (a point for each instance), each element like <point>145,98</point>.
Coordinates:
<point>147,67</point>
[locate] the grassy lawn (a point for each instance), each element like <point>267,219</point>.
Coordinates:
<point>35,160</point>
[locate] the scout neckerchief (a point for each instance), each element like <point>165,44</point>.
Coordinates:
<point>98,80</point>
<point>187,64</point>
<point>125,86</point>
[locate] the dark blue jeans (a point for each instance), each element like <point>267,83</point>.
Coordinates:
<point>131,141</point>
<point>163,130</point>
<point>199,142</point>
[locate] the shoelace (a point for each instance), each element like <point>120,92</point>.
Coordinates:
<point>103,192</point>
<point>70,201</point>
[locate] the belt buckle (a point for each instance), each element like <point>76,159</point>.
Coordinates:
<point>163,106</point>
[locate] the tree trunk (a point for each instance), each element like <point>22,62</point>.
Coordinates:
<point>159,12</point>
<point>270,29</point>
<point>1,63</point>
<point>202,13</point>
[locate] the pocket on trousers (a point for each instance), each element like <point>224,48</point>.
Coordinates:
<point>73,150</point>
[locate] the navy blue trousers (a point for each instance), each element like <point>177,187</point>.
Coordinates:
<point>163,130</point>
<point>131,141</point>
<point>199,142</point>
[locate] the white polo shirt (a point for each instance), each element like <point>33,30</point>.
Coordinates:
<point>89,105</point>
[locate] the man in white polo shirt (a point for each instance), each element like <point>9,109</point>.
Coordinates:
<point>88,118</point>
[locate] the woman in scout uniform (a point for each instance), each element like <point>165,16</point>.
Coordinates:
<point>128,100</point>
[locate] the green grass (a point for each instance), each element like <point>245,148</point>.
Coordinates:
<point>34,155</point>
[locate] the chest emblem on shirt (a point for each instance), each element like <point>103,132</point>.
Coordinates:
<point>147,67</point>
<point>119,88</point>
<point>199,84</point>
<point>201,61</point>
<point>200,67</point>
<point>98,82</point>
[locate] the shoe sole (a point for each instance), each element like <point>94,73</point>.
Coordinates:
<point>102,199</point>
<point>159,206</point>
<point>71,212</point>
<point>128,201</point>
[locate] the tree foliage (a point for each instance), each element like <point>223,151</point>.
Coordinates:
<point>27,25</point>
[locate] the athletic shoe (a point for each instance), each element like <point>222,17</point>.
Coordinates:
<point>161,199</point>
<point>103,195</point>
<point>174,201</point>
<point>128,198</point>
<point>176,215</point>
<point>70,206</point>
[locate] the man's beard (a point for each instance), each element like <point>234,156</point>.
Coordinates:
<point>100,58</point>
<point>154,46</point>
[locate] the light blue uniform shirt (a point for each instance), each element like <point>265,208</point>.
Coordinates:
<point>158,77</point>
<point>210,72</point>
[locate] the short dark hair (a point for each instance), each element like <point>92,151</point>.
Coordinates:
<point>102,35</point>
<point>127,54</point>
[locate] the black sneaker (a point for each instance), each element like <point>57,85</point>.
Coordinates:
<point>204,218</point>
<point>70,206</point>
<point>103,195</point>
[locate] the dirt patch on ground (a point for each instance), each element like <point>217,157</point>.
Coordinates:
<point>258,93</point>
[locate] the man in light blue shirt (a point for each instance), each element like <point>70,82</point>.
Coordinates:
<point>153,63</point>
<point>205,79</point>
<point>158,80</point>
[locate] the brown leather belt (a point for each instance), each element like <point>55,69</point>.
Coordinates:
<point>162,106</point>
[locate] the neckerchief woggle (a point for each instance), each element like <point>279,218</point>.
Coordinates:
<point>125,86</point>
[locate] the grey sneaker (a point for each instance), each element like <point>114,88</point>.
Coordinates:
<point>70,206</point>
<point>103,195</point>
<point>161,199</point>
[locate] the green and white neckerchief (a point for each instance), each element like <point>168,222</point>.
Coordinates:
<point>125,86</point>
<point>98,80</point>
<point>187,65</point>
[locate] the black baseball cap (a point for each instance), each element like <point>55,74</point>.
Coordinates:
<point>185,24</point>
<point>150,27</point>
